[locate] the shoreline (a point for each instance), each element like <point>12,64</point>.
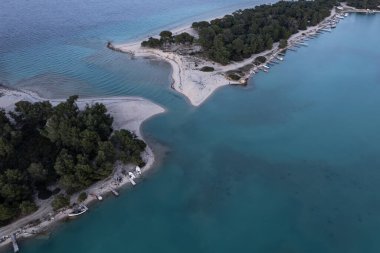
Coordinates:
<point>196,85</point>
<point>128,113</point>
<point>182,26</point>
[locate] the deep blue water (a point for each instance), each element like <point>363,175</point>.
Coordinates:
<point>288,164</point>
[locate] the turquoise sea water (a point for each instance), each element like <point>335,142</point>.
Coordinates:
<point>287,164</point>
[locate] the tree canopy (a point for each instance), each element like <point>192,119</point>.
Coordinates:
<point>167,38</point>
<point>43,145</point>
<point>251,31</point>
<point>364,4</point>
<point>246,32</point>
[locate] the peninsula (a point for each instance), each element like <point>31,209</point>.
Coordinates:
<point>85,151</point>
<point>230,49</point>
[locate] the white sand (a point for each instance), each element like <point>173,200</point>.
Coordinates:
<point>128,113</point>
<point>187,79</point>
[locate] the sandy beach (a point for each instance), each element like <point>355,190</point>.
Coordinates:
<point>128,113</point>
<point>196,85</point>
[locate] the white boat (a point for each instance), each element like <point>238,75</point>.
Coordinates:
<point>98,197</point>
<point>131,175</point>
<point>265,66</point>
<point>346,14</point>
<point>78,211</point>
<point>138,170</point>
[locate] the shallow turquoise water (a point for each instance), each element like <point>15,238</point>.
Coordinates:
<point>288,164</point>
<point>58,48</point>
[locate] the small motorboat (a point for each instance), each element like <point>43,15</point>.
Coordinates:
<point>138,170</point>
<point>131,175</point>
<point>81,209</point>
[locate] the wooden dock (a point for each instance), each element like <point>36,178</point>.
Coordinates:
<point>14,243</point>
<point>132,181</point>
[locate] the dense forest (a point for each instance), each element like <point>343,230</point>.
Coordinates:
<point>246,32</point>
<point>364,4</point>
<point>167,38</point>
<point>43,145</point>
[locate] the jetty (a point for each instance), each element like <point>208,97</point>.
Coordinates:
<point>114,192</point>
<point>14,243</point>
<point>113,48</point>
<point>132,181</point>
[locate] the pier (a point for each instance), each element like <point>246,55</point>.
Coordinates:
<point>132,181</point>
<point>14,243</point>
<point>114,192</point>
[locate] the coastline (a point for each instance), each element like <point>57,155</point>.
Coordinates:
<point>135,122</point>
<point>196,85</point>
<point>128,113</point>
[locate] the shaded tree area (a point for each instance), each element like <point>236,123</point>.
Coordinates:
<point>364,4</point>
<point>246,32</point>
<point>42,145</point>
<point>167,39</point>
<point>251,31</point>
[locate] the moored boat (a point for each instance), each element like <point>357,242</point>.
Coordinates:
<point>78,211</point>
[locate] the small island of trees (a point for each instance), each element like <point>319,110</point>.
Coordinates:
<point>44,146</point>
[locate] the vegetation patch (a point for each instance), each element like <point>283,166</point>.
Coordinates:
<point>167,38</point>
<point>260,60</point>
<point>283,43</point>
<point>82,197</point>
<point>234,77</point>
<point>60,201</point>
<point>43,145</point>
<point>207,69</point>
<point>368,4</point>
<point>245,68</point>
<point>238,36</point>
